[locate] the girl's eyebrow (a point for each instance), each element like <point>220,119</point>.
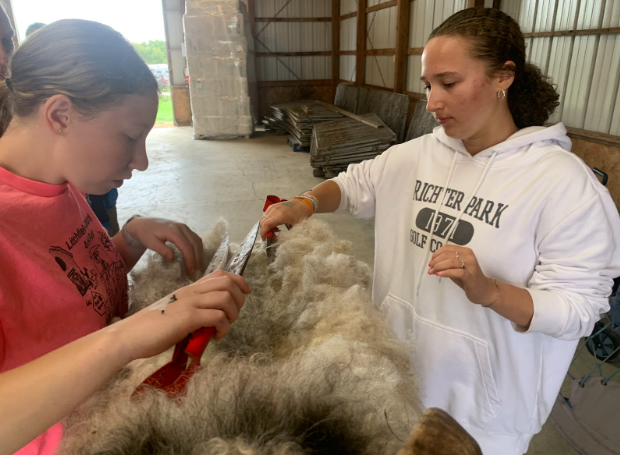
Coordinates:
<point>447,73</point>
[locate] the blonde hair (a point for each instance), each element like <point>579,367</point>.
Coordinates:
<point>90,63</point>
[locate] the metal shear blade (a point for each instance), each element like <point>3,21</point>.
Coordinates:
<point>173,377</point>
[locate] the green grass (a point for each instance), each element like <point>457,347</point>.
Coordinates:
<point>164,113</point>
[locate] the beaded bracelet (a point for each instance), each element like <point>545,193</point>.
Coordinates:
<point>313,200</point>
<point>308,203</point>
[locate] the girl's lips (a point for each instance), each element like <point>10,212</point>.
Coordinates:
<point>444,120</point>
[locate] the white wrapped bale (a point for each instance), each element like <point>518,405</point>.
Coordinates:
<point>217,55</point>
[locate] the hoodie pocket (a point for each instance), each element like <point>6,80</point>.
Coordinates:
<point>453,368</point>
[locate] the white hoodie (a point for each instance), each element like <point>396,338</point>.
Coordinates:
<point>536,217</point>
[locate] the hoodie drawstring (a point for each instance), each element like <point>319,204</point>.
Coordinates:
<point>458,218</point>
<point>441,198</point>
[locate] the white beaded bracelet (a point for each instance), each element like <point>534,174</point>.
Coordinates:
<point>312,199</point>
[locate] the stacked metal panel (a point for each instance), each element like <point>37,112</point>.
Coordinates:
<point>391,107</point>
<point>422,121</point>
<point>298,119</point>
<point>217,56</point>
<point>337,144</point>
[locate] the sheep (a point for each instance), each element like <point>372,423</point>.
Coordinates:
<point>309,367</point>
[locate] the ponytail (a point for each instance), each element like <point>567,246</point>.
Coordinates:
<point>531,97</point>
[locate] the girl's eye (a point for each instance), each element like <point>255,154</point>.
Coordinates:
<point>449,84</point>
<point>130,139</point>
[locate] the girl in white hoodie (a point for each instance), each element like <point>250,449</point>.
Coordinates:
<point>521,231</point>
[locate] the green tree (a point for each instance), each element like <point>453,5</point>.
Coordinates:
<point>152,52</point>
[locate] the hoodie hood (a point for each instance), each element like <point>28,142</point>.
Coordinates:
<point>539,136</point>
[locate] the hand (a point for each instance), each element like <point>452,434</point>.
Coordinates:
<point>213,301</point>
<point>478,288</point>
<point>288,212</point>
<point>153,233</point>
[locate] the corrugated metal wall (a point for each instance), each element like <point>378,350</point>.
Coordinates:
<point>425,15</point>
<point>294,8</point>
<point>174,23</point>
<point>370,3</point>
<point>348,42</point>
<point>347,6</point>
<point>585,68</point>
<point>380,34</point>
<point>293,37</point>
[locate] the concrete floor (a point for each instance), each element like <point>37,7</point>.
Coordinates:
<point>197,182</point>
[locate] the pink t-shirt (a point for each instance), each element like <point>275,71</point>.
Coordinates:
<point>61,276</point>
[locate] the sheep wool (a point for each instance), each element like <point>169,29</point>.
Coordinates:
<point>309,367</point>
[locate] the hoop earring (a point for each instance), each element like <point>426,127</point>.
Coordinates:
<point>501,95</point>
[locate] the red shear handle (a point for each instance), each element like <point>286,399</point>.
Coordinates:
<point>200,340</point>
<point>269,201</point>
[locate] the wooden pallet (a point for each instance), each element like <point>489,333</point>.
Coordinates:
<point>296,146</point>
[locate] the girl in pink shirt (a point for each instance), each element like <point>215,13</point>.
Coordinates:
<point>82,103</point>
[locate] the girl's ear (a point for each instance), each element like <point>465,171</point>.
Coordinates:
<point>58,111</point>
<point>506,76</point>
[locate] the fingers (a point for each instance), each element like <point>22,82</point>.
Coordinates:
<point>268,223</point>
<point>287,212</point>
<point>222,301</point>
<point>219,319</point>
<point>237,279</point>
<point>447,249</point>
<point>164,250</point>
<point>189,245</point>
<point>214,301</point>
<point>447,264</point>
<point>219,301</point>
<point>455,274</point>
<point>220,284</point>
<point>196,242</point>
<point>275,216</point>
<point>454,254</point>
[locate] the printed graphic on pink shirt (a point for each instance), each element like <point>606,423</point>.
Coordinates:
<point>99,285</point>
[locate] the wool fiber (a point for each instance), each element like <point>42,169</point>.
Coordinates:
<point>309,367</point>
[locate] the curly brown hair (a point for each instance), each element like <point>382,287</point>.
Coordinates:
<point>496,39</point>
